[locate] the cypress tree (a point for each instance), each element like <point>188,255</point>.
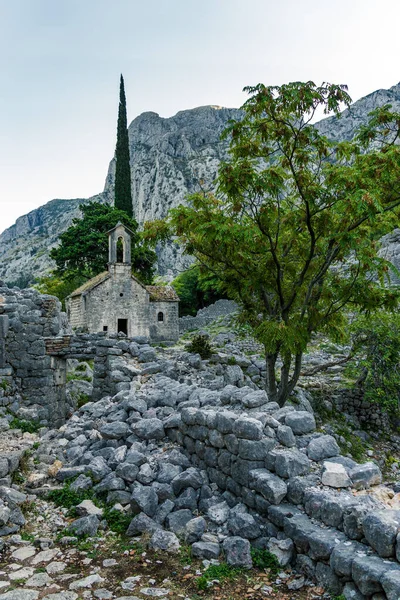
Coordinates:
<point>123,192</point>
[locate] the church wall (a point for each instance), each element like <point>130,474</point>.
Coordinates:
<point>117,298</point>
<point>74,311</point>
<point>168,328</point>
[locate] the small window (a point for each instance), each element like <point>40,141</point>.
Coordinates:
<point>105,327</point>
<point>160,317</point>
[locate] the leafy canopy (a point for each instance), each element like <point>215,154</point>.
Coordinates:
<point>83,249</point>
<point>376,342</point>
<point>196,289</point>
<point>294,229</point>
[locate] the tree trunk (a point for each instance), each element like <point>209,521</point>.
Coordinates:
<point>270,384</point>
<point>280,392</point>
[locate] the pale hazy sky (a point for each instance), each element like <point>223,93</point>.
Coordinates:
<point>61,60</point>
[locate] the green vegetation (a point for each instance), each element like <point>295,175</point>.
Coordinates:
<point>4,385</point>
<point>123,192</point>
<point>68,498</point>
<point>200,344</point>
<point>83,249</point>
<point>292,207</point>
<point>353,444</point>
<point>376,341</point>
<point>263,559</point>
<point>220,572</point>
<point>54,285</point>
<point>24,425</point>
<point>196,289</point>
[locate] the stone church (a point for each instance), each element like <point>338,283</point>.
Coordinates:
<point>115,301</point>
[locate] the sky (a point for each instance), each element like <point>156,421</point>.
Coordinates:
<point>60,62</point>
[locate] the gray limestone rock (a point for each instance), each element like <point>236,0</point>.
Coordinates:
<point>177,521</point>
<point>245,525</point>
<point>365,475</point>
<point>144,499</point>
<point>194,529</point>
<point>323,447</point>
<point>141,524</point>
<point>248,428</point>
<point>301,422</point>
<point>286,436</point>
<point>282,549</point>
<point>381,529</point>
<point>85,526</point>
<point>165,540</point>
<point>207,550</point>
<point>290,463</point>
<point>149,429</point>
<point>270,486</point>
<point>237,552</point>
<point>189,478</point>
<point>115,431</point>
<point>368,572</point>
<point>391,584</point>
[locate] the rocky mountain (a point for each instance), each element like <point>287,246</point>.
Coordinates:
<point>170,157</point>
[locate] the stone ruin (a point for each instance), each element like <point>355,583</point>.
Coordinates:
<point>194,450</point>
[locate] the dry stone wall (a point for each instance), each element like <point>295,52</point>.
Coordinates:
<point>271,462</point>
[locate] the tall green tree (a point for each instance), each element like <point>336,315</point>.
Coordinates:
<point>83,249</point>
<point>123,191</point>
<point>294,231</point>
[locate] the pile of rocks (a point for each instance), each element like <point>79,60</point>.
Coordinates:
<point>196,454</point>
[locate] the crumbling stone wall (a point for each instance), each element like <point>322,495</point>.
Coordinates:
<point>28,317</point>
<point>258,461</point>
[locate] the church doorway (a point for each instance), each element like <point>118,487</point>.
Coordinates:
<point>123,326</point>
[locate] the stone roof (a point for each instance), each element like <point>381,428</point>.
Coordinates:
<point>89,285</point>
<point>158,293</point>
<point>162,293</point>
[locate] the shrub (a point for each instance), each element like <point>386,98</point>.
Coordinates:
<point>264,559</point>
<point>376,341</point>
<point>200,344</point>
<point>24,425</point>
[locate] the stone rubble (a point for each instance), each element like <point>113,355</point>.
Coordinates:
<point>194,453</point>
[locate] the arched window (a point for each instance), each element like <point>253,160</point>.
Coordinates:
<point>120,250</point>
<point>160,317</point>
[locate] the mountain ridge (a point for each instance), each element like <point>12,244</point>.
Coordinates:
<point>171,157</point>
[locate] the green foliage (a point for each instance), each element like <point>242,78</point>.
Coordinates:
<point>117,520</point>
<point>69,498</point>
<point>196,289</point>
<point>24,425</point>
<point>200,344</point>
<point>83,249</point>
<point>376,341</point>
<point>294,231</point>
<point>123,192</point>
<point>263,559</point>
<point>4,384</point>
<point>54,285</point>
<point>220,572</point>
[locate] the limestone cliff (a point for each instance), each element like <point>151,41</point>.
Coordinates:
<point>170,157</point>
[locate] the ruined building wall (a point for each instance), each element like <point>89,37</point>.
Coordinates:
<point>28,317</point>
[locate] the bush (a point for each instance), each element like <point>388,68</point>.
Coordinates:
<point>196,290</point>
<point>376,341</point>
<point>200,344</point>
<point>264,559</point>
<point>24,425</point>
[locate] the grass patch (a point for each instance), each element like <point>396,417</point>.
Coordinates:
<point>264,559</point>
<point>117,521</point>
<point>24,425</point>
<point>221,572</point>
